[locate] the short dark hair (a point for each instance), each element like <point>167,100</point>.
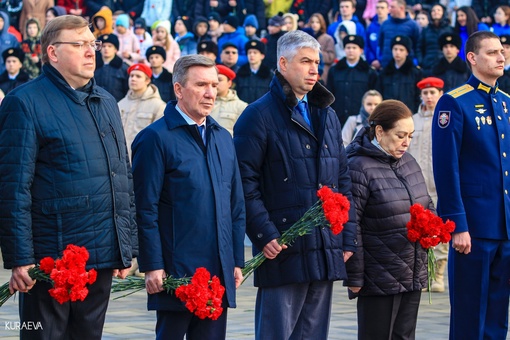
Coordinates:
<point>473,43</point>
<point>387,114</point>
<point>52,30</point>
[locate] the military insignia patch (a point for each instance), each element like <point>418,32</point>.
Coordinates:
<point>444,119</point>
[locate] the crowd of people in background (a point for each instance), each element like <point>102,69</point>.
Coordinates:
<point>383,45</point>
<point>382,67</point>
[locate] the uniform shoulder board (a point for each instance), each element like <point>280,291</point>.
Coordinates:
<point>459,91</point>
<point>503,92</point>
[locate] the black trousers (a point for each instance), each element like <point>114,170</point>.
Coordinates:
<point>71,320</point>
<point>177,325</point>
<point>389,317</point>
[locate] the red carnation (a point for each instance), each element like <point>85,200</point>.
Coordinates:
<point>47,264</point>
<point>203,295</point>
<point>429,230</point>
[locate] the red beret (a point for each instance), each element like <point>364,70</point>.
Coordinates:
<point>227,72</point>
<point>141,67</point>
<point>430,82</point>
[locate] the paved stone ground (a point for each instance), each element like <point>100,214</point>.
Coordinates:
<point>127,318</point>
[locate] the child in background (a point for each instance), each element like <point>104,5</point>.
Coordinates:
<point>215,27</point>
<point>102,22</point>
<point>129,45</point>
<point>162,37</point>
<point>451,68</point>
<point>251,25</point>
<point>184,37</point>
<point>144,37</point>
<point>31,47</point>
<point>200,29</point>
<point>355,124</point>
<point>13,76</point>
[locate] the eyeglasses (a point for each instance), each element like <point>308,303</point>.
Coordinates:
<point>230,52</point>
<point>95,45</point>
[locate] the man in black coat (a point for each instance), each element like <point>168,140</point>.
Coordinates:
<point>111,72</point>
<point>253,79</point>
<point>350,78</point>
<point>13,76</point>
<point>161,77</point>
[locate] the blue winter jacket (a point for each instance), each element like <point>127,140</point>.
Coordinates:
<point>390,29</point>
<point>372,39</point>
<point>189,201</point>
<point>282,165</point>
<point>239,39</point>
<point>64,175</point>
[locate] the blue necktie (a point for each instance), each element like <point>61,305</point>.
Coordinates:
<point>303,110</point>
<point>201,132</point>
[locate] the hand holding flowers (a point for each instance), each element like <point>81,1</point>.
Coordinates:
<point>67,275</point>
<point>201,294</point>
<point>429,230</point>
<point>331,209</point>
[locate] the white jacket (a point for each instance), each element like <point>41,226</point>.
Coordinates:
<point>137,112</point>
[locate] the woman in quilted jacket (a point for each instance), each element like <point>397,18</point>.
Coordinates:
<point>388,271</point>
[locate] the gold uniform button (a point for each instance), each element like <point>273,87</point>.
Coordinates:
<point>308,146</point>
<point>499,117</point>
<point>506,173</point>
<point>504,154</point>
<point>495,100</point>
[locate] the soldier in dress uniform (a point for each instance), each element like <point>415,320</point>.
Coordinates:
<point>471,162</point>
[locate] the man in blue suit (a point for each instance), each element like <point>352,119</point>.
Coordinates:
<point>471,156</point>
<point>189,201</point>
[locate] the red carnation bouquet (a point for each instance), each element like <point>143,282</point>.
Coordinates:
<point>201,294</point>
<point>331,209</point>
<point>429,230</point>
<point>67,275</point>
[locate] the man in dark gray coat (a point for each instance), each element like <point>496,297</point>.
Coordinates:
<point>65,179</point>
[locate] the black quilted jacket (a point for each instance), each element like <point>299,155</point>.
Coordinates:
<point>383,190</point>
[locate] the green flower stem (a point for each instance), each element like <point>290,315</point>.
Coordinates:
<point>311,219</point>
<point>431,270</point>
<point>34,272</point>
<point>135,284</point>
